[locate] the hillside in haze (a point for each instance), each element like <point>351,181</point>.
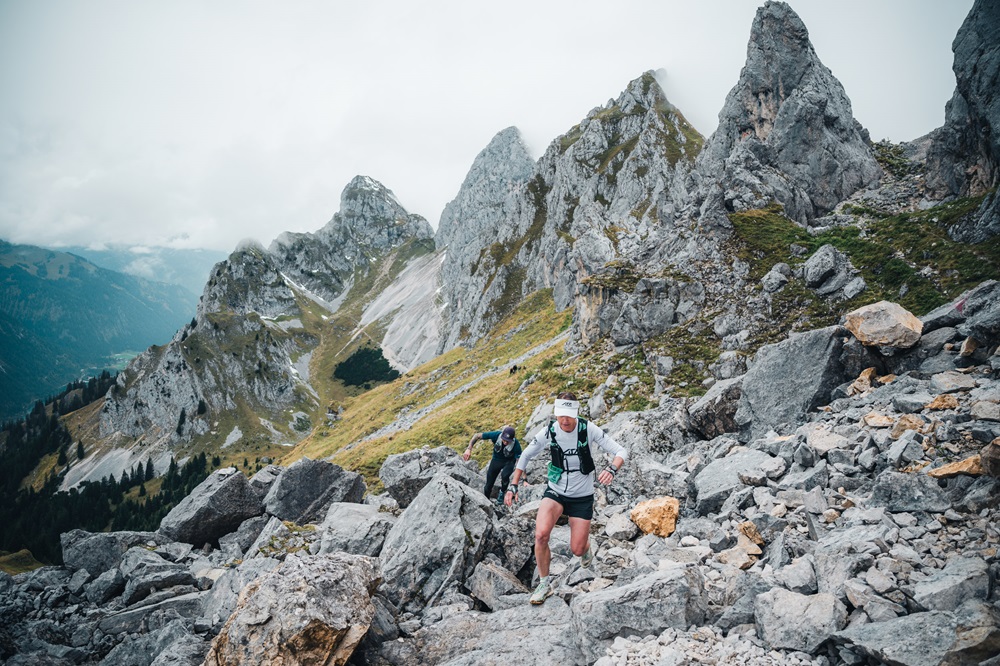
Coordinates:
<point>185,268</point>
<point>62,318</point>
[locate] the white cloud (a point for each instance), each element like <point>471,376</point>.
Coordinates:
<point>192,124</point>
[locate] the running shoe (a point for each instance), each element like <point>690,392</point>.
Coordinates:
<point>541,593</point>
<point>587,558</point>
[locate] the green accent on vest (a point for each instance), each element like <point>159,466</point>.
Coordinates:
<point>582,449</point>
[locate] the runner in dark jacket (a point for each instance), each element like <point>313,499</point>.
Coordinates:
<point>506,451</point>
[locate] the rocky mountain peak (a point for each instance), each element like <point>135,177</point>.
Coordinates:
<point>964,156</point>
<point>483,214</point>
<point>372,217</point>
<point>786,131</point>
<point>503,162</point>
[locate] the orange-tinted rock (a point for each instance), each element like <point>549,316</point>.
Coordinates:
<point>657,516</point>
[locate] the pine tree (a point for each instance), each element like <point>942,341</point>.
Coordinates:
<point>80,453</point>
<point>150,471</point>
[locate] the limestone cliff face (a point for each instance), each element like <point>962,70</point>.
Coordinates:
<point>600,187</point>
<point>786,131</point>
<point>964,156</point>
<point>249,346</point>
<point>478,222</point>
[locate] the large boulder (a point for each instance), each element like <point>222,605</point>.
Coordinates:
<point>221,601</point>
<point>217,506</point>
<point>437,541</point>
<point>795,376</point>
<point>540,636</point>
<point>714,413</point>
<point>961,579</point>
<point>884,324</point>
<point>673,597</point>
<point>310,610</point>
<point>102,551</point>
<point>899,491</point>
<point>792,621</point>
<point>981,308</point>
<point>303,492</point>
<point>720,478</point>
<point>355,528</point>
<point>405,474</point>
<point>145,571</point>
<point>971,635</point>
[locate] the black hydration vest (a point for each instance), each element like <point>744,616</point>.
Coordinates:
<point>582,448</point>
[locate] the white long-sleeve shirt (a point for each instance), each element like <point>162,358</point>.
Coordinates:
<point>573,482</point>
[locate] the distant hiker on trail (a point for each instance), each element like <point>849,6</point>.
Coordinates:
<point>506,451</point>
<point>570,483</point>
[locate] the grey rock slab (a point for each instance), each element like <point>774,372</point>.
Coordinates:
<point>649,604</point>
<point>438,540</point>
<point>792,621</point>
<point>714,413</point>
<point>903,491</point>
<point>795,376</point>
<point>303,492</point>
<point>405,474</point>
<point>490,582</point>
<point>951,382</point>
<point>220,602</point>
<point>917,639</point>
<point>132,620</point>
<point>217,506</point>
<point>98,552</point>
<point>715,482</point>
<point>145,571</point>
<point>472,638</point>
<point>355,528</point>
<point>961,579</point>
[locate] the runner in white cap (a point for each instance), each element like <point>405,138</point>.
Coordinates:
<point>570,483</point>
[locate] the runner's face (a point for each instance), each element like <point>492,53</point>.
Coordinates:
<point>567,423</point>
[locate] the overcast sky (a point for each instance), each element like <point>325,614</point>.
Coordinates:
<point>196,124</point>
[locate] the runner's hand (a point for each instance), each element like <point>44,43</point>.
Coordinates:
<point>466,455</point>
<point>606,477</point>
<point>509,498</point>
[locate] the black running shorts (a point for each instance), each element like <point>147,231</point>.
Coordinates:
<point>575,507</point>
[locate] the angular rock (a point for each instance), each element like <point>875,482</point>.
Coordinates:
<point>221,601</point>
<point>777,391</point>
<point>972,466</point>
<point>355,528</point>
<point>792,621</point>
<point>951,381</point>
<point>714,413</point>
<point>884,324</point>
<point>437,541</point>
<point>490,582</point>
<point>101,551</point>
<point>656,516</point>
<point>217,506</point>
<point>927,639</point>
<point>899,492</point>
<point>469,638</point>
<point>313,609</point>
<point>622,527</point>
<point>982,310</point>
<point>145,571</point>
<point>304,491</point>
<point>962,578</point>
<point>405,474</point>
<point>717,480</point>
<point>647,605</point>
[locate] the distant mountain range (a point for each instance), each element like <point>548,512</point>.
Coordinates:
<point>63,318</point>
<point>186,268</point>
